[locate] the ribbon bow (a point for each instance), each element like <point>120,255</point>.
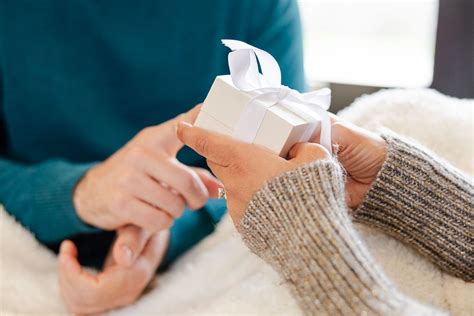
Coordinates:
<point>267,87</point>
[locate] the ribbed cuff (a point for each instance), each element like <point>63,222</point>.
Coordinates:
<point>298,223</point>
<point>420,200</point>
<point>52,185</point>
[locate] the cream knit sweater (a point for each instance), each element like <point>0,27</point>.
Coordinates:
<point>299,223</point>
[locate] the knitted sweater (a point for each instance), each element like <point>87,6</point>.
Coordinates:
<point>299,223</point>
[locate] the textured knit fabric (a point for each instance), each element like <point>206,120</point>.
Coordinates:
<point>299,223</point>
<point>426,204</point>
<point>78,79</point>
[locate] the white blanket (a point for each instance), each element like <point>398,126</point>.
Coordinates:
<point>220,276</point>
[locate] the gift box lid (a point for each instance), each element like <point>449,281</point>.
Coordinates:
<point>225,103</point>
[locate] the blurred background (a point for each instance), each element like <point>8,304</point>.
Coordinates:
<point>361,46</point>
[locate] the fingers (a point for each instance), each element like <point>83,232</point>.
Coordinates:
<point>146,216</point>
<point>219,149</point>
<point>307,152</point>
<point>149,190</point>
<point>190,116</point>
<point>135,278</point>
<point>68,258</point>
<point>212,184</point>
<point>334,119</point>
<point>155,249</point>
<point>163,136</point>
<point>75,283</point>
<point>116,286</point>
<point>130,242</point>
<point>179,177</point>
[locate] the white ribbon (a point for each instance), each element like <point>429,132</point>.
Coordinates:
<point>267,87</point>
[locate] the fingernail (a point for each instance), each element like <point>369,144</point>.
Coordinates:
<point>128,253</point>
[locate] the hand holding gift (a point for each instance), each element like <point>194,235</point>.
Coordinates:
<point>242,177</point>
<point>360,153</point>
<point>256,108</point>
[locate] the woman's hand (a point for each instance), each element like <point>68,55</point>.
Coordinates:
<point>362,155</point>
<point>117,285</point>
<point>243,168</point>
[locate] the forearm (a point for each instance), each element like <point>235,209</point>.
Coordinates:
<point>40,197</point>
<point>299,224</point>
<point>422,201</point>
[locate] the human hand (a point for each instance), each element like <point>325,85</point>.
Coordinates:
<point>131,243</point>
<point>244,168</point>
<point>143,183</point>
<point>362,155</point>
<point>116,285</point>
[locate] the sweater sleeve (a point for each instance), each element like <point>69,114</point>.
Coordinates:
<point>425,203</point>
<point>39,196</point>
<point>299,224</point>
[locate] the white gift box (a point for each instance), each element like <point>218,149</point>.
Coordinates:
<point>279,130</point>
<point>257,109</point>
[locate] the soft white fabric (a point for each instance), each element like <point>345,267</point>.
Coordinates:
<point>220,276</point>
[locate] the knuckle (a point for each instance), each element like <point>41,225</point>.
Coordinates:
<point>135,153</point>
<point>127,179</point>
<point>180,133</point>
<point>236,168</point>
<point>227,158</point>
<point>163,221</point>
<point>153,222</point>
<point>175,206</point>
<point>180,117</point>
<point>120,202</point>
<point>342,128</point>
<point>179,206</point>
<point>189,182</point>
<point>202,145</point>
<point>145,132</point>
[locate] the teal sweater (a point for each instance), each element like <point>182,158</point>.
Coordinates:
<point>79,78</point>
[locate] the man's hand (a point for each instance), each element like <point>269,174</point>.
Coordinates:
<point>132,239</point>
<point>143,183</point>
<point>116,285</point>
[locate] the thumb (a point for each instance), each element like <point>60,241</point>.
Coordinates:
<point>190,116</point>
<point>171,127</point>
<point>130,242</point>
<point>68,257</point>
<point>307,152</point>
<point>212,183</point>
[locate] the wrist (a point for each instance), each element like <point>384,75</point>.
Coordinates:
<point>81,199</point>
<point>293,195</point>
<point>381,149</point>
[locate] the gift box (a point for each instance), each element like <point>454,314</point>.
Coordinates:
<point>254,107</point>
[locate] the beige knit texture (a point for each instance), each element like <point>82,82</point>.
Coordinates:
<point>299,223</point>
<point>425,203</point>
